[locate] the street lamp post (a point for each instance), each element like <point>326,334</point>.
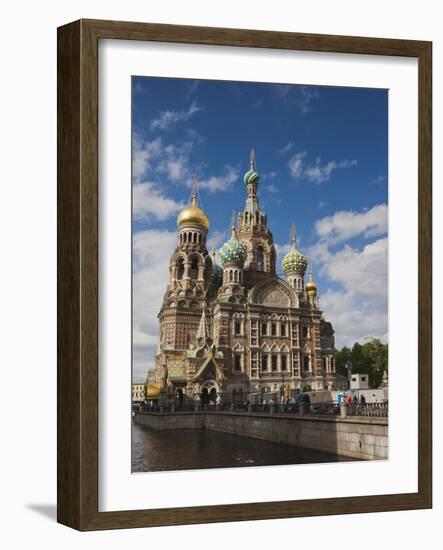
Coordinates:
<point>349,369</point>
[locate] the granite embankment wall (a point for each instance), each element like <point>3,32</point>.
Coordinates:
<point>357,437</point>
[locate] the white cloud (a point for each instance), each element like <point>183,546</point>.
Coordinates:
<point>352,319</point>
<point>220,183</point>
<point>154,158</point>
<point>193,88</point>
<point>174,161</point>
<point>296,164</point>
<point>271,188</point>
<point>149,202</point>
<point>284,150</point>
<point>143,155</point>
<point>166,119</point>
<point>316,173</point>
<point>361,272</point>
<point>268,175</point>
<point>299,97</point>
<point>347,224</point>
<point>358,309</point>
<point>378,180</point>
<point>358,305</point>
<point>319,173</point>
<point>152,250</point>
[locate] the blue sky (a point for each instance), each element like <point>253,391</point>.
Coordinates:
<point>322,156</point>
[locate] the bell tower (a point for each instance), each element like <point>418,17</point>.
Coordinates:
<point>252,226</point>
<point>191,266</point>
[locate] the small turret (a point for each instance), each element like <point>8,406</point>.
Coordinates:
<point>294,264</point>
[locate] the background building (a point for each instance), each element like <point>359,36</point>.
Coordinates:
<point>231,331</point>
<point>138,393</point>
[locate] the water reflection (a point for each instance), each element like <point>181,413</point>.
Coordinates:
<point>154,450</point>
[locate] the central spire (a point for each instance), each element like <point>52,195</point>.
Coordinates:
<point>293,237</point>
<point>252,159</point>
<point>252,180</point>
<point>194,192</point>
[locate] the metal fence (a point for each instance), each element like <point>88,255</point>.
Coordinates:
<point>326,409</point>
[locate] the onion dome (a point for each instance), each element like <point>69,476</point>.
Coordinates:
<point>294,261</point>
<point>193,214</point>
<point>311,286</point>
<point>251,177</point>
<point>233,251</point>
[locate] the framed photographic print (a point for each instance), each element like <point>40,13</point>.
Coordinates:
<point>244,275</point>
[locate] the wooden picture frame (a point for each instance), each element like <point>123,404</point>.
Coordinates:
<point>78,274</point>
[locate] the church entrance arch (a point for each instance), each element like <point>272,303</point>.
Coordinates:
<point>204,396</point>
<point>213,395</point>
<point>209,391</point>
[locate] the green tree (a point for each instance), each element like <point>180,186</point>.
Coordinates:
<point>341,358</point>
<point>369,358</point>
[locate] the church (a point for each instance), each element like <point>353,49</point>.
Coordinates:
<point>238,331</point>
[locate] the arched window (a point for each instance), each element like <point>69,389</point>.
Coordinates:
<point>193,273</point>
<point>260,258</point>
<point>272,260</point>
<point>180,268</point>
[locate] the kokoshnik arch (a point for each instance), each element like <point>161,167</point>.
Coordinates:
<point>232,330</point>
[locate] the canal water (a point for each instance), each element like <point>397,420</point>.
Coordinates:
<point>156,450</point>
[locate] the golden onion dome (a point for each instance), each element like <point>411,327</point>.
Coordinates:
<point>152,391</point>
<point>193,214</point>
<point>311,286</point>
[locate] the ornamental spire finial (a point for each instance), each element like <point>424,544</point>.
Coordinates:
<point>233,227</point>
<point>293,237</point>
<point>252,159</point>
<point>194,191</point>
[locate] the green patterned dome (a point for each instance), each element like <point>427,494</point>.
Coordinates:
<point>294,262</point>
<point>251,177</point>
<point>233,251</point>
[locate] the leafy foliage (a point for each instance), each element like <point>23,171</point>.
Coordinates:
<point>370,358</point>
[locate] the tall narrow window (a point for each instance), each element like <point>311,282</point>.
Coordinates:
<point>284,362</point>
<point>274,363</point>
<point>180,269</point>
<point>260,258</point>
<point>194,268</point>
<point>237,362</point>
<point>237,327</point>
<point>273,329</point>
<point>283,329</point>
<point>264,329</point>
<point>264,361</point>
<point>306,362</point>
